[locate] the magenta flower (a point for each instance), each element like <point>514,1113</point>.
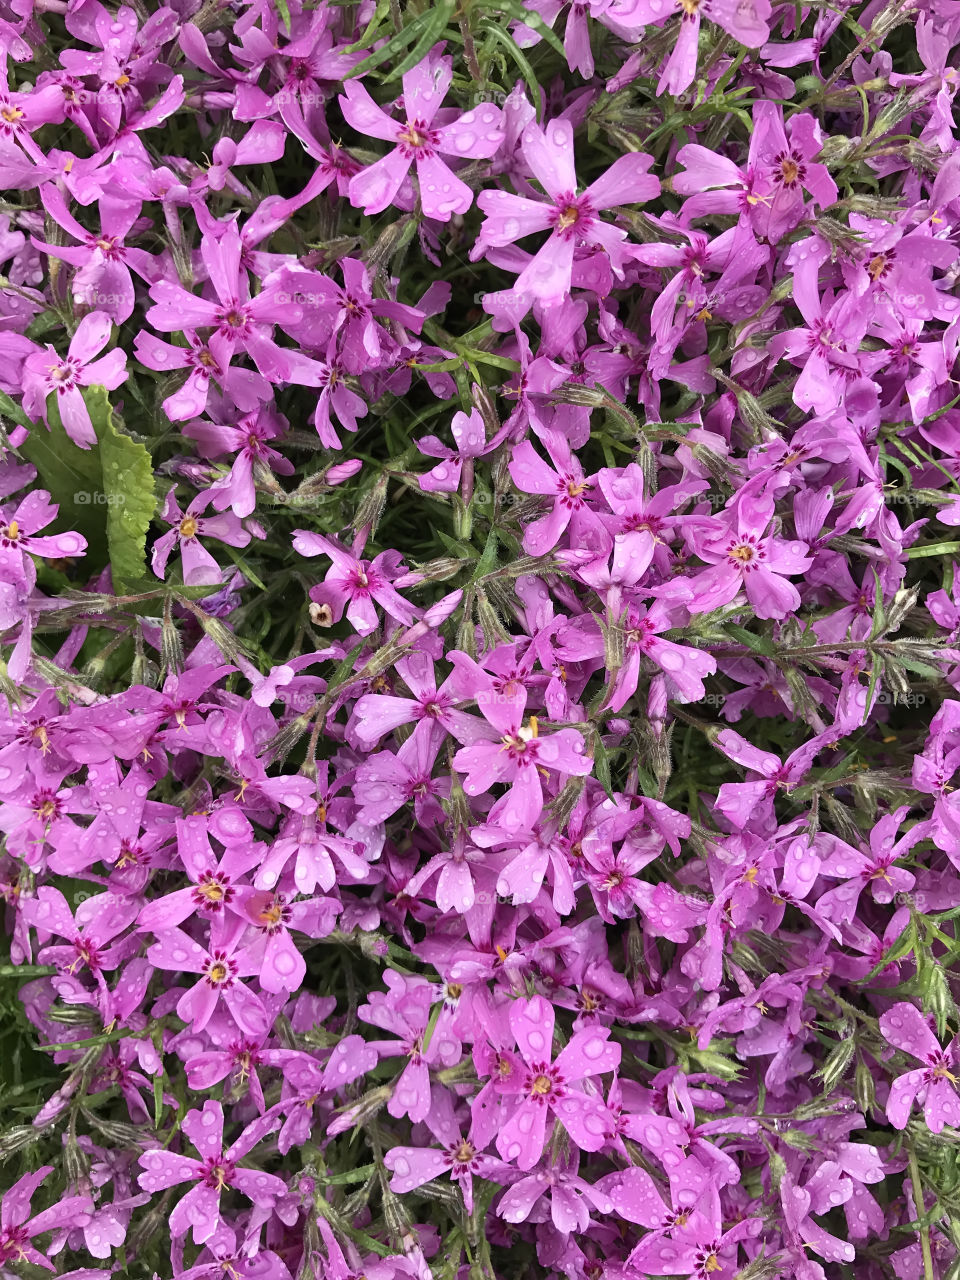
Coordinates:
<point>514,753</point>
<point>642,627</point>
<point>17,1228</point>
<point>90,931</point>
<point>564,482</point>
<point>420,140</point>
<point>876,869</point>
<point>245,321</point>
<point>220,968</point>
<point>19,543</point>
<point>746,22</point>
<point>199,566</point>
<point>404,1010</point>
<point>751,802</point>
<point>572,219</point>
<point>207,359</point>
<point>934,1085</point>
<point>703,1252</point>
<point>215,1171</point>
<point>744,557</point>
<point>355,585</point>
<point>789,165</point>
<point>103,260</point>
<point>375,714</point>
<point>539,1087</point>
<point>460,1157</point>
<point>214,884</point>
<point>46,372</point>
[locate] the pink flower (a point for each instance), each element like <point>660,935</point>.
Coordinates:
<point>539,1086</point>
<point>745,558</point>
<point>17,1228</point>
<point>46,372</point>
<point>420,140</point>
<point>216,1170</point>
<point>199,566</point>
<point>564,482</point>
<point>572,219</point>
<point>355,585</point>
<point>220,968</point>
<point>18,541</point>
<point>460,1157</point>
<point>934,1085</point>
<point>514,753</point>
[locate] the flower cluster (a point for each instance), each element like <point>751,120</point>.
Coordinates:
<point>480,640</point>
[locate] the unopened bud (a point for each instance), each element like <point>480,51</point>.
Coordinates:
<point>342,471</point>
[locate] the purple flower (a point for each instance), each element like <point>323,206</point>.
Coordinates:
<point>199,566</point>
<point>514,753</point>
<point>572,219</point>
<point>220,968</point>
<point>18,1228</point>
<point>537,1086</point>
<point>215,1171</point>
<point>355,585</point>
<point>46,372</point>
<point>934,1084</point>
<point>420,139</point>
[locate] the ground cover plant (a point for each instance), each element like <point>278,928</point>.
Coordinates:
<point>480,494</point>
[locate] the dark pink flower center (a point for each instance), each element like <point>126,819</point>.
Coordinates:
<point>746,552</point>
<point>417,140</point>
<point>789,169</point>
<point>220,970</point>
<point>572,216</point>
<point>213,892</point>
<point>217,1172</point>
<point>13,1244</point>
<point>543,1083</point>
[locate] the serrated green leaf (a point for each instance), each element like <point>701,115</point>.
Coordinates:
<point>129,490</point>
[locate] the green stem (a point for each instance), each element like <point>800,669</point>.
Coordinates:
<point>919,1206</point>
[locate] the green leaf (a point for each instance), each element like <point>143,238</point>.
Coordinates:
<point>105,493</point>
<point>759,644</point>
<point>529,18</point>
<point>393,47</point>
<point>73,478</point>
<point>496,33</point>
<point>933,549</point>
<point>129,491</point>
<point>373,26</point>
<point>488,560</point>
<point>601,766</point>
<point>439,17</point>
<point>900,948</point>
<point>10,409</point>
